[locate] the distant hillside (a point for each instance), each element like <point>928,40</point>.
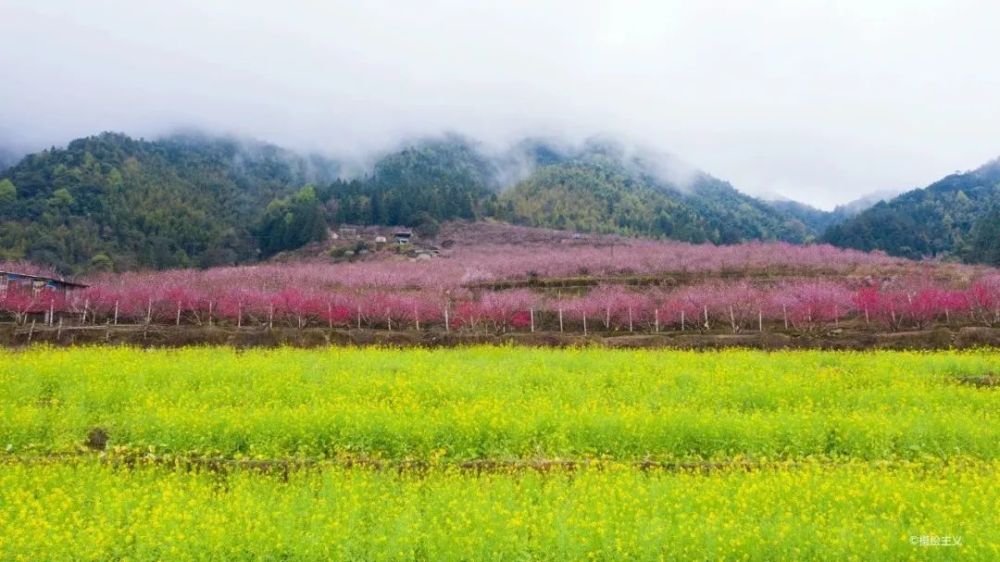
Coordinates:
<point>602,189</point>
<point>597,187</point>
<point>864,203</point>
<point>110,201</point>
<point>428,181</point>
<point>953,218</point>
<point>113,202</point>
<point>591,197</point>
<point>817,221</point>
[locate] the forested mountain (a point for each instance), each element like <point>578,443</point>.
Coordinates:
<point>815,221</point>
<point>954,218</point>
<point>591,197</point>
<point>602,188</point>
<point>113,202</point>
<point>110,201</point>
<point>433,179</point>
<point>854,208</point>
<point>597,187</point>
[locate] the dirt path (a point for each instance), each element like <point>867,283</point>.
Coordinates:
<point>848,338</point>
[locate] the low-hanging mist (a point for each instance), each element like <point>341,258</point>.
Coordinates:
<point>819,102</point>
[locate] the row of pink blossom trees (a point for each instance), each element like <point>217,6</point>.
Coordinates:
<point>499,263</point>
<point>728,305</point>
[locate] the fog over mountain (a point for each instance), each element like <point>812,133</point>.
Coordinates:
<point>8,157</point>
<point>819,102</point>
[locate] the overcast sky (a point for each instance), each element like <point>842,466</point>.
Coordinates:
<point>817,101</point>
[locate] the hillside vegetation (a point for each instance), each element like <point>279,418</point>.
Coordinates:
<point>601,191</point>
<point>110,202</point>
<point>433,180</point>
<point>817,221</point>
<point>955,218</point>
<point>113,202</point>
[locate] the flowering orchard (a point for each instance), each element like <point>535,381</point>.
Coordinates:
<point>712,305</point>
<point>465,266</point>
<point>633,286</point>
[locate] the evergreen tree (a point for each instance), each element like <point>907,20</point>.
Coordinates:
<point>292,222</point>
<point>8,193</point>
<point>985,246</point>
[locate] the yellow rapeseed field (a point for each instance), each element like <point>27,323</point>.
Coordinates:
<point>498,453</point>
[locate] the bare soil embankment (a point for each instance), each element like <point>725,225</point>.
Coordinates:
<point>177,336</point>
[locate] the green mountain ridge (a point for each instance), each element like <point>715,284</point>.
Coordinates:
<point>194,200</point>
<point>428,181</point>
<point>818,220</point>
<point>953,218</point>
<point>600,188</point>
<point>113,201</point>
